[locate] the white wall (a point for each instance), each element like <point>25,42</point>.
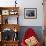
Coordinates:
<point>32,4</point>
<point>27,4</point>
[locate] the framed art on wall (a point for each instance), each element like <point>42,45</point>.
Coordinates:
<point>5,12</point>
<point>30,13</point>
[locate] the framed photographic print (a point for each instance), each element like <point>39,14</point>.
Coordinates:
<point>30,13</point>
<point>5,12</point>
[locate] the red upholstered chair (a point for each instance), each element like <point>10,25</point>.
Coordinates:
<point>28,34</point>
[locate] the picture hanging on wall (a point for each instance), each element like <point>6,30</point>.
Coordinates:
<point>30,13</point>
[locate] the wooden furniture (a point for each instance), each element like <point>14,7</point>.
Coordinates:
<point>0,43</point>
<point>44,4</point>
<point>10,43</point>
<point>5,13</point>
<point>11,26</point>
<point>44,37</point>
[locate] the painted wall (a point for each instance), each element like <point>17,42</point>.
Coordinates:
<point>32,4</point>
<point>27,4</point>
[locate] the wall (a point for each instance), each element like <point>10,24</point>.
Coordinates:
<point>27,4</point>
<point>32,4</point>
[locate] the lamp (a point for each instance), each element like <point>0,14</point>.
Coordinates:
<point>15,3</point>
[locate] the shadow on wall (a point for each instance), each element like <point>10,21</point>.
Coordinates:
<point>37,29</point>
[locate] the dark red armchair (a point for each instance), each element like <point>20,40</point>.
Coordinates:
<point>29,36</point>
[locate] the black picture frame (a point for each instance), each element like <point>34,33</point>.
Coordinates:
<point>30,13</point>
